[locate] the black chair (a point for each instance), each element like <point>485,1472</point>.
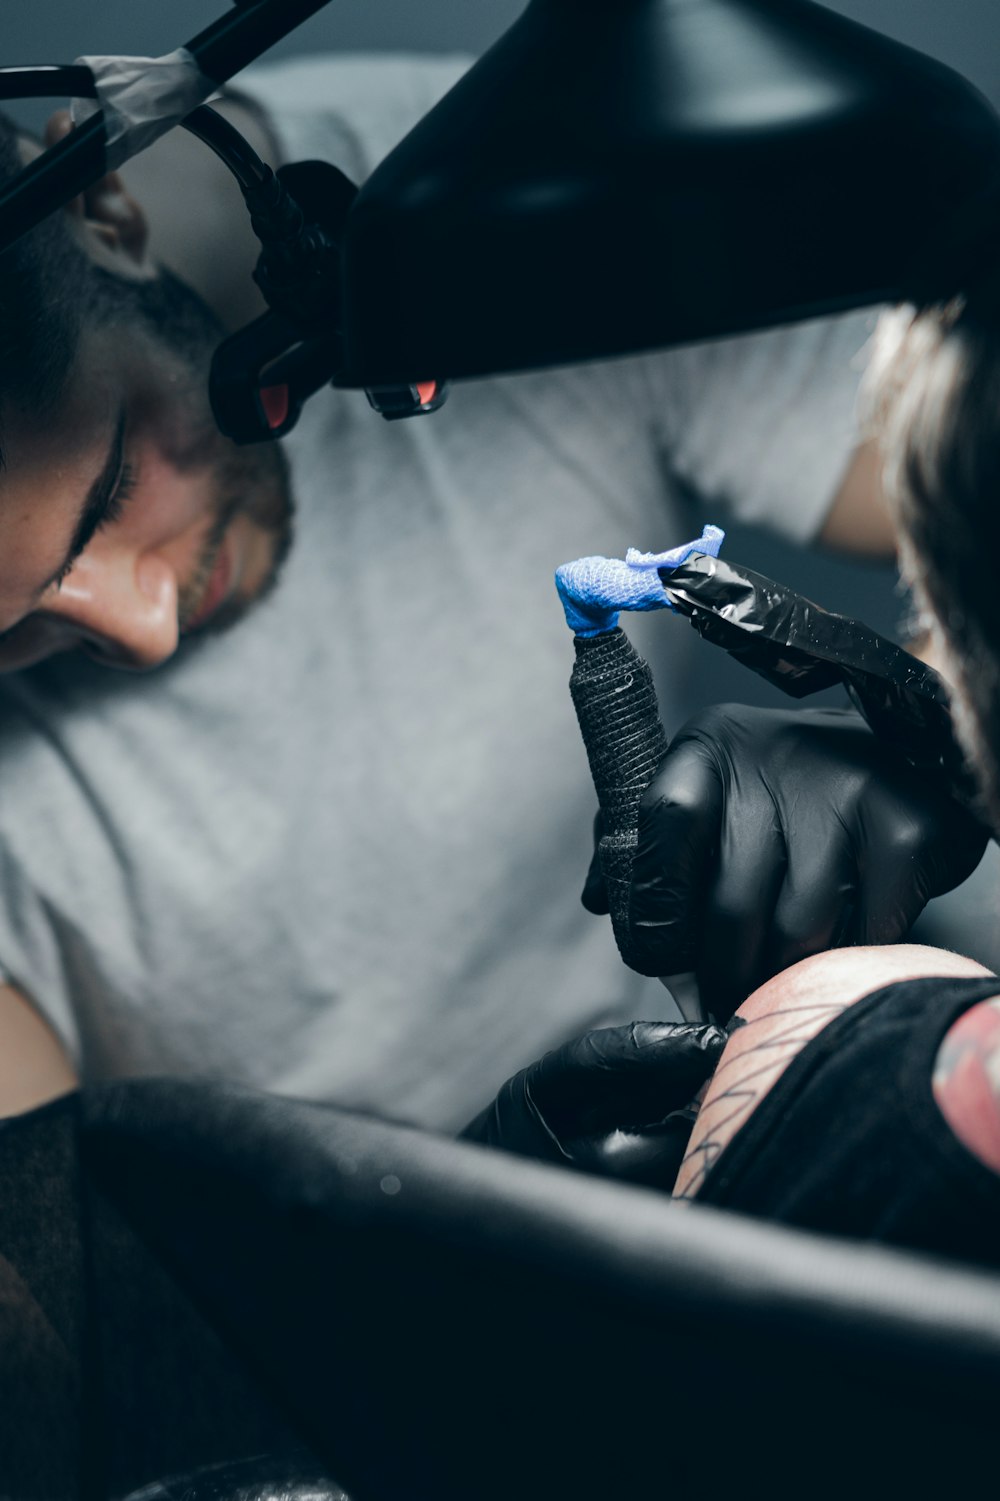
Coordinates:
<point>285,1298</point>
<point>439,1321</point>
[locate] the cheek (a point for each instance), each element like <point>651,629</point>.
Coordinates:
<point>167,502</point>
<point>32,541</point>
<point>34,536</point>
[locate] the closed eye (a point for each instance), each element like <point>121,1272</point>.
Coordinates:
<point>123,492</point>
<point>96,501</point>
<point>112,510</point>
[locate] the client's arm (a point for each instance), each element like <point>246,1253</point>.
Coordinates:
<point>789,1010</point>
<point>33,1065</point>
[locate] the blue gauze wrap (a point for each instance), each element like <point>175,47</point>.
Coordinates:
<point>593,590</point>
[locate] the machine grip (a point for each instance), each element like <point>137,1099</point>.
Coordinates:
<point>615,702</point>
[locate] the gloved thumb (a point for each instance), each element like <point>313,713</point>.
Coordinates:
<point>624,1076</point>
<point>607,1080</point>
<point>903,872</point>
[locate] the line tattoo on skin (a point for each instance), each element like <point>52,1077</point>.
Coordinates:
<point>757,1054</point>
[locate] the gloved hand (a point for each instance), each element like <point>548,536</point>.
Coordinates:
<point>613,1102</point>
<point>768,835</point>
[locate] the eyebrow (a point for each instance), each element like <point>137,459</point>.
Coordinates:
<point>97,502</point>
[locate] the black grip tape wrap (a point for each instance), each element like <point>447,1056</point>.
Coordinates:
<point>615,702</point>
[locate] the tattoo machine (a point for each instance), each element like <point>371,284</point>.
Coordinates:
<point>785,638</point>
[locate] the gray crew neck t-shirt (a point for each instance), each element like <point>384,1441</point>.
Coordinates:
<point>338,852</point>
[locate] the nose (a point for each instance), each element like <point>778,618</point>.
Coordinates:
<point>122,606</point>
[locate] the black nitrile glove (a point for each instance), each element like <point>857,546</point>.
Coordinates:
<point>613,1102</point>
<point>768,835</point>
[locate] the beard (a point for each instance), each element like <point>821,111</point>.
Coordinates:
<point>272,513</point>
<point>181,334</point>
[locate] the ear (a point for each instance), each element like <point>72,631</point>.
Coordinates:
<point>106,212</point>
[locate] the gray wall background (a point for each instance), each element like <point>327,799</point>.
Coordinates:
<point>963,33</point>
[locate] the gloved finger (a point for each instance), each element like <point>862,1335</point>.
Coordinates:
<point>651,1157</point>
<point>594,895</point>
<point>892,893</point>
<point>680,819</point>
<point>624,1076</point>
<point>609,1079</point>
<point>513,1123</point>
<point>921,846</point>
<point>950,861</point>
<point>816,905</point>
<point>739,914</point>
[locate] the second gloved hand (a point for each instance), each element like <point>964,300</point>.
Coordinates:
<point>613,1102</point>
<point>768,835</point>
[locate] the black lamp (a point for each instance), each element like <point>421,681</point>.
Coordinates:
<point>615,175</point>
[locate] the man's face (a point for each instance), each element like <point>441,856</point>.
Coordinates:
<point>127,520</point>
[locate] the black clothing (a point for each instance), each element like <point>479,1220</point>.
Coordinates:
<point>850,1140</point>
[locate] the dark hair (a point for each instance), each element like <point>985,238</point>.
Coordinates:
<point>45,280</point>
<point>934,390</point>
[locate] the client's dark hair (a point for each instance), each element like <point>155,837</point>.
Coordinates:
<point>934,387</point>
<point>45,280</point>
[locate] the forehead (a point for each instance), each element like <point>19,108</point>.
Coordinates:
<point>39,441</point>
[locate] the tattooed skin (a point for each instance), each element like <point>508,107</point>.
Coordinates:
<point>753,1061</point>
<point>966,1081</point>
<point>787,1012</point>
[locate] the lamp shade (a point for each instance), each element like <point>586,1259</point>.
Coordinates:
<point>614,175</point>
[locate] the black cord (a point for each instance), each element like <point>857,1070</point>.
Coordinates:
<point>244,32</point>
<point>220,50</point>
<point>230,147</point>
<point>277,220</point>
<point>55,82</point>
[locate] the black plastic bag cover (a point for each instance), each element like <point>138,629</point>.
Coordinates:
<point>802,648</point>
